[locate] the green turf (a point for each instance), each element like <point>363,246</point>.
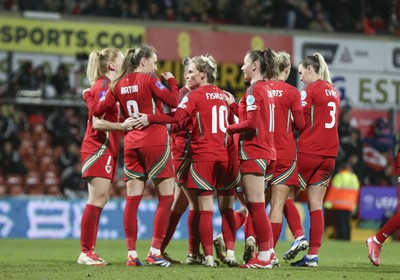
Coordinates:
<point>56,259</point>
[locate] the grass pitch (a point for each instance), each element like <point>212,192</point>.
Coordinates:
<point>56,259</point>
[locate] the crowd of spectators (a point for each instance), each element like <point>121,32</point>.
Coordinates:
<point>40,82</point>
<point>357,16</point>
<point>371,155</point>
<point>40,152</point>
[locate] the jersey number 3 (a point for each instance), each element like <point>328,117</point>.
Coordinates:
<point>332,113</point>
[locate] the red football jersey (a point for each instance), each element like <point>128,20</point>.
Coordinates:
<point>321,102</point>
<point>97,141</point>
<point>209,114</point>
<point>180,137</point>
<point>142,93</point>
<point>398,165</point>
<point>287,105</point>
<point>256,123</point>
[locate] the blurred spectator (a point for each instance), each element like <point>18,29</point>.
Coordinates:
<point>70,156</point>
<point>72,185</point>
<point>250,13</point>
<point>60,81</point>
<point>345,15</point>
<point>10,5</point>
<point>10,162</point>
<point>369,17</point>
<point>320,21</point>
<point>23,78</point>
<point>381,177</point>
<point>132,11</point>
<point>153,12</point>
<point>342,198</point>
<point>381,138</point>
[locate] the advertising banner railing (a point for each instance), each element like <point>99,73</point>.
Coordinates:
<point>66,37</point>
<point>50,218</point>
<point>377,202</point>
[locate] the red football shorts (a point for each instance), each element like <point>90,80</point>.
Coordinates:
<point>222,176</point>
<point>263,167</point>
<point>285,173</point>
<point>98,166</point>
<point>148,162</point>
<point>314,170</point>
<point>181,168</point>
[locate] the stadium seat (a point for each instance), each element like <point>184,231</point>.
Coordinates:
<point>3,189</point>
<point>51,184</point>
<point>15,185</point>
<point>33,184</point>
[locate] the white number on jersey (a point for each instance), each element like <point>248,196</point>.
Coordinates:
<point>332,113</point>
<point>219,118</point>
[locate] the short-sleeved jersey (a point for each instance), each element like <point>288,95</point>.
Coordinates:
<point>143,93</point>
<point>259,143</point>
<point>96,141</point>
<point>287,101</point>
<point>180,136</point>
<point>209,114</point>
<point>320,101</point>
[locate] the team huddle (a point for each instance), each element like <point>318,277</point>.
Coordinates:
<point>263,149</point>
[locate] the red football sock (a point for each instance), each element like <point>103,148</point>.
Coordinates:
<point>194,232</point>
<point>130,220</point>
<point>392,225</point>
<point>228,228</point>
<point>316,231</point>
<point>276,230</point>
<point>261,225</point>
<point>206,231</point>
<point>293,218</point>
<point>239,219</point>
<point>160,224</point>
<point>248,227</point>
<point>89,227</point>
<point>173,222</point>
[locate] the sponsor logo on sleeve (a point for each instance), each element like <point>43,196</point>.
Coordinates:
<point>303,96</point>
<point>102,95</point>
<point>250,100</point>
<point>160,85</point>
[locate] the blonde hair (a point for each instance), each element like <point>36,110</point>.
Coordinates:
<point>132,60</point>
<point>99,61</point>
<point>207,64</point>
<point>282,61</point>
<point>317,62</point>
<point>185,62</point>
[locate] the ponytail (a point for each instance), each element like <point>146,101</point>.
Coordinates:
<point>132,59</point>
<point>323,72</point>
<point>267,62</point>
<point>98,63</point>
<point>317,62</point>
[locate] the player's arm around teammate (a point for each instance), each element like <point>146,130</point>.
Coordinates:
<point>99,150</point>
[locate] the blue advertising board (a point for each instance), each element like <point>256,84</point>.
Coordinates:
<point>376,201</point>
<point>50,218</point>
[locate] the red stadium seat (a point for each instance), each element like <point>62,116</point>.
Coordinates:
<point>33,184</point>
<point>15,185</point>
